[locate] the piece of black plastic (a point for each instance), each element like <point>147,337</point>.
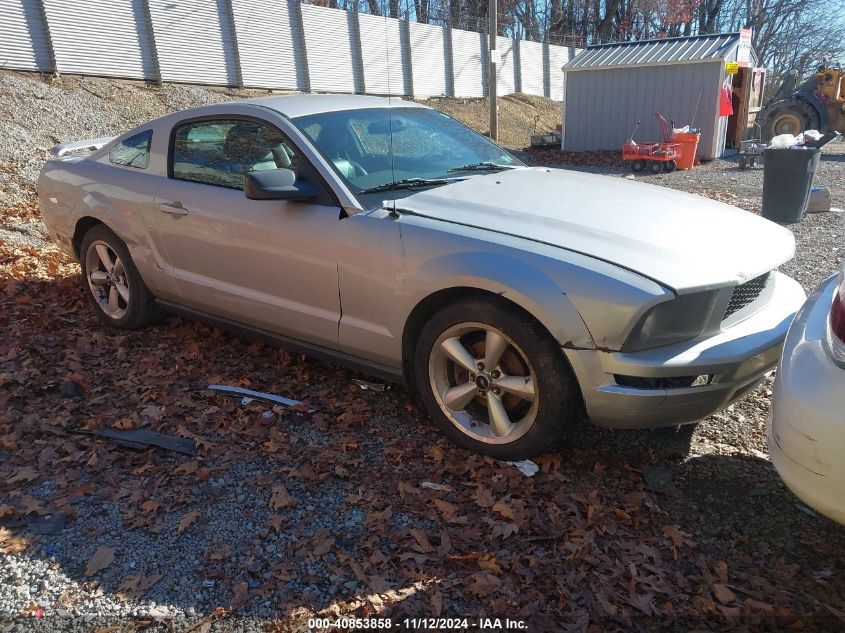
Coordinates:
<point>142,438</point>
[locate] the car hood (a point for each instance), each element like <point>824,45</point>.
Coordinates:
<point>683,241</point>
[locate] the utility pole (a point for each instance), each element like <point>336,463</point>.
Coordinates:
<point>492,74</point>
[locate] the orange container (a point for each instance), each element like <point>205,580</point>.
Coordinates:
<point>689,143</point>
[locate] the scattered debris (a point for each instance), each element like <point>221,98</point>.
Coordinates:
<point>526,467</point>
<point>372,386</point>
<point>248,395</point>
<point>141,439</point>
<point>806,510</point>
<point>434,486</point>
<point>820,200</point>
<point>208,583</point>
<point>660,479</point>
<point>48,524</point>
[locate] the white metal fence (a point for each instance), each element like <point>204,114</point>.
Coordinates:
<point>277,44</point>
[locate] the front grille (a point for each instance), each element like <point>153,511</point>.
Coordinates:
<point>745,294</point>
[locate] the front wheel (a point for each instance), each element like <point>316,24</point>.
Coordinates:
<point>115,289</point>
<point>494,380</point>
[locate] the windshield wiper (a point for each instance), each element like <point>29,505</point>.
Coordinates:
<point>409,183</point>
<point>485,166</point>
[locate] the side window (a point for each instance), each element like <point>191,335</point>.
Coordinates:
<point>133,151</point>
<point>221,151</point>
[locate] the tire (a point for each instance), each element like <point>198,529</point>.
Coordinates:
<point>752,161</point>
<point>656,166</point>
<point>669,166</point>
<point>638,165</point>
<point>527,424</point>
<point>112,284</point>
<point>743,162</point>
<point>789,116</point>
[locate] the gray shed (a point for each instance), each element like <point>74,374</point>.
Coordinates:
<point>609,87</point>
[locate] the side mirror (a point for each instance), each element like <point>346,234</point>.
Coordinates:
<point>277,184</point>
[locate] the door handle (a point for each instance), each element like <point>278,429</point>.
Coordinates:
<point>173,208</point>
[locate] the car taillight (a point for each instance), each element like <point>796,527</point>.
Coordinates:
<point>836,326</point>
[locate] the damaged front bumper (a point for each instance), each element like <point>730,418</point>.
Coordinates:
<point>807,428</point>
<point>686,381</point>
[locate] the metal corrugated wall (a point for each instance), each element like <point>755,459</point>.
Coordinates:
<point>267,44</point>
<point>193,42</point>
<point>602,106</point>
<point>532,68</point>
<point>428,59</point>
<point>468,63</point>
<point>278,44</point>
<point>120,31</point>
<point>24,41</point>
<point>329,48</point>
<point>382,56</point>
<point>507,65</point>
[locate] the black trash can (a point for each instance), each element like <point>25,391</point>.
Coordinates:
<point>787,180</point>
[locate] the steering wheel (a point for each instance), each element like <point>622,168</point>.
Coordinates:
<point>357,167</point>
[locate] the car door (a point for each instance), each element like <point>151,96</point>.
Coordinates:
<point>270,264</point>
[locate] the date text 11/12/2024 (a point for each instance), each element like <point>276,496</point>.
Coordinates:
<point>410,624</point>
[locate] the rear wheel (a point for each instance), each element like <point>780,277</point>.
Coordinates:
<point>656,166</point>
<point>638,165</point>
<point>669,166</point>
<point>743,161</point>
<point>494,380</point>
<point>789,116</point>
<point>115,289</point>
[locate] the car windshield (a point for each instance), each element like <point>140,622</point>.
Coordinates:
<point>414,148</point>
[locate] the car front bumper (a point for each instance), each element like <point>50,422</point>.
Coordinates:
<point>737,358</point>
<point>807,428</point>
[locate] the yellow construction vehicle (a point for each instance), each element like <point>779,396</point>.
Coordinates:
<point>817,104</point>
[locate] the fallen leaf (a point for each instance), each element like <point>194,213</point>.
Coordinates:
<point>448,510</point>
<point>187,468</point>
<point>482,584</point>
<point>101,559</point>
<point>186,521</point>
<point>27,473</point>
<point>276,522</point>
<point>150,506</point>
<point>722,593</point>
<point>504,509</point>
<point>134,587</point>
<point>280,498</point>
<point>323,547</point>
<point>422,541</point>
<point>240,594</point>
<point>436,604</point>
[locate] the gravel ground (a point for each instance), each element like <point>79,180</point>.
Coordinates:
<point>292,553</point>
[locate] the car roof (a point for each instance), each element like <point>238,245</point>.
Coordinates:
<point>297,105</point>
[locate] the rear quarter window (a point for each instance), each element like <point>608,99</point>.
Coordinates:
<point>133,151</point>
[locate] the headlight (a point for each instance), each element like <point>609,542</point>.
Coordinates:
<point>673,321</point>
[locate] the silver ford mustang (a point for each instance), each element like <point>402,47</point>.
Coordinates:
<point>390,237</point>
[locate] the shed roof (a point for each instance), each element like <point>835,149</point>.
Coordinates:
<point>673,50</point>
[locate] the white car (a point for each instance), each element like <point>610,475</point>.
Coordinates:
<point>807,430</point>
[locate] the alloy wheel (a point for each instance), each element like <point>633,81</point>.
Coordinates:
<point>484,383</point>
<point>107,280</point>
